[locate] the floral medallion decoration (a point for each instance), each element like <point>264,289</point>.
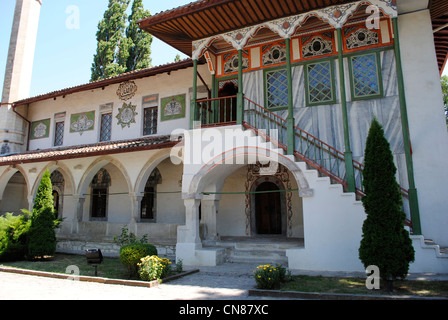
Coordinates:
<point>126,115</point>
<point>40,129</point>
<point>126,90</point>
<point>81,122</point>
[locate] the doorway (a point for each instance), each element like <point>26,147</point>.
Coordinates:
<point>268,211</point>
<point>227,108</point>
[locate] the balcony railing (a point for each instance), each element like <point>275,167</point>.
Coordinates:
<point>216,111</point>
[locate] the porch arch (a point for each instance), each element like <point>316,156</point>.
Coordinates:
<point>220,167</point>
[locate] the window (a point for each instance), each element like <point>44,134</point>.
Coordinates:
<point>99,195</point>
<point>59,134</point>
<point>276,82</point>
<point>150,121</point>
<point>320,86</point>
<point>106,127</point>
<point>365,76</point>
<point>148,205</point>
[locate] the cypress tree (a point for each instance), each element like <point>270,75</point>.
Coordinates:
<point>385,242</point>
<point>111,49</point>
<point>41,237</point>
<point>138,41</point>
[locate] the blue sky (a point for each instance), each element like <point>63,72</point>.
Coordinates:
<point>64,55</point>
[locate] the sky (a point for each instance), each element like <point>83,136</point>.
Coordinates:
<point>64,48</point>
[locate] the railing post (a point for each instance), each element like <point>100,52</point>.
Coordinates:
<point>350,172</point>
<point>413,198</point>
<point>239,98</point>
<point>195,91</point>
<point>290,119</point>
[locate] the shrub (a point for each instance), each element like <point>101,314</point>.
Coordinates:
<point>269,277</point>
<point>154,268</point>
<point>131,254</point>
<point>385,242</point>
<point>13,237</point>
<point>127,237</point>
<point>41,237</point>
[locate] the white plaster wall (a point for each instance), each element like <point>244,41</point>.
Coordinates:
<point>428,132</point>
<point>178,82</point>
<point>170,206</point>
<point>332,229</point>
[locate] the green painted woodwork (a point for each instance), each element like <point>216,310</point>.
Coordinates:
<point>413,197</point>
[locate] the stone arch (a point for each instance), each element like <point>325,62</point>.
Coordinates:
<point>63,169</point>
<point>149,167</point>
<point>7,175</point>
<point>5,178</point>
<point>95,167</point>
<point>218,168</point>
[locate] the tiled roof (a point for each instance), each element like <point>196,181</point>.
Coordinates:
<point>89,150</point>
<point>132,75</point>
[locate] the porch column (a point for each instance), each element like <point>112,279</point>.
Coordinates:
<point>79,200</point>
<point>209,212</point>
<point>350,174</point>
<point>290,119</point>
<point>30,199</point>
<point>189,233</point>
<point>79,208</point>
<point>195,94</point>
<point>135,211</point>
<point>239,97</point>
<point>413,198</point>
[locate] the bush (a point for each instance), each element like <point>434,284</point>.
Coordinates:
<point>131,255</point>
<point>128,237</point>
<point>385,242</point>
<point>41,237</point>
<point>13,237</point>
<point>154,268</point>
<point>269,277</point>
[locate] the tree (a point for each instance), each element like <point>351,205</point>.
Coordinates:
<point>385,242</point>
<point>137,41</point>
<point>41,236</point>
<point>444,82</point>
<point>121,49</point>
<point>112,51</point>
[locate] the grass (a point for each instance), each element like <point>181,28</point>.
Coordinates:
<point>322,284</point>
<point>110,268</point>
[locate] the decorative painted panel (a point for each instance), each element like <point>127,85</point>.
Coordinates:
<point>173,107</point>
<point>40,129</point>
<point>81,122</point>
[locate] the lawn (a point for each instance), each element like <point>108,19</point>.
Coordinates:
<point>322,284</point>
<point>110,268</point>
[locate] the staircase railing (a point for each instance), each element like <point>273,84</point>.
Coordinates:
<point>316,153</point>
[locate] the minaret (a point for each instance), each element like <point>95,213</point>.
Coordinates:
<point>19,67</point>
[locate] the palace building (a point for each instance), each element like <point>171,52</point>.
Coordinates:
<point>250,150</point>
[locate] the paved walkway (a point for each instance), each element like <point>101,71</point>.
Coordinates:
<point>230,281</point>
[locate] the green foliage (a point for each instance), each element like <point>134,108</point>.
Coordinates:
<point>444,82</point>
<point>131,255</point>
<point>270,277</point>
<point>385,243</point>
<point>41,237</point>
<point>139,41</point>
<point>121,49</point>
<point>13,237</point>
<point>154,268</point>
<point>127,237</point>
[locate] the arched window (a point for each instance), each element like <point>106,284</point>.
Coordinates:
<point>58,183</point>
<point>99,195</point>
<point>148,205</point>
